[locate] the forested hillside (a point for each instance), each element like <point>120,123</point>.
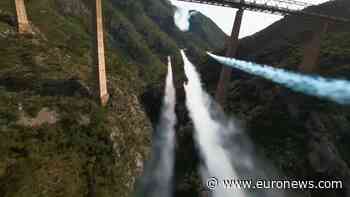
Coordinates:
<point>55,139</point>
<point>304,137</point>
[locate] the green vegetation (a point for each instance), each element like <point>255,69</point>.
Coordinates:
<point>335,52</point>
<point>69,158</point>
<point>87,150</point>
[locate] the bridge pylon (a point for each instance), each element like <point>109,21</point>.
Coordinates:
<point>312,49</point>
<point>232,45</point>
<point>99,61</point>
<point>22,18</point>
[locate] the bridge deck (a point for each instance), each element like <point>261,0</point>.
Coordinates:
<point>255,6</point>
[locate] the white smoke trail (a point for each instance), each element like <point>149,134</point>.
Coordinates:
<point>182,18</point>
<point>157,180</point>
<point>332,89</point>
<point>208,133</point>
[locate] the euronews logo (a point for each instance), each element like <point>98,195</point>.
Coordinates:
<point>214,183</point>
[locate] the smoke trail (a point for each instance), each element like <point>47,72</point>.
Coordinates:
<point>182,18</point>
<point>208,131</point>
<point>332,89</point>
<point>157,180</point>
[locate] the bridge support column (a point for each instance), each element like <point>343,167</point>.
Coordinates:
<point>99,53</point>
<point>312,50</point>
<point>226,71</point>
<point>22,19</point>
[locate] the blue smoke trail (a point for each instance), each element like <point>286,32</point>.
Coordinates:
<point>332,89</point>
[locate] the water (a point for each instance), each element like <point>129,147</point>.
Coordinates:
<point>336,90</point>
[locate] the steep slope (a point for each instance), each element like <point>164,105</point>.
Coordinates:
<point>203,29</point>
<point>55,140</point>
<point>304,137</point>
<point>153,29</point>
<point>290,34</point>
<point>201,32</point>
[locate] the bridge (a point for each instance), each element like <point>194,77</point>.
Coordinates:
<point>282,7</point>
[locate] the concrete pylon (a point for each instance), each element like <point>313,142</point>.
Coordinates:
<point>99,52</point>
<point>22,19</point>
<point>312,50</point>
<point>226,71</point>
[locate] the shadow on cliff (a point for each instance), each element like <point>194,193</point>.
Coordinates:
<point>46,87</point>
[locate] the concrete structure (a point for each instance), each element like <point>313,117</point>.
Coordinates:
<point>99,53</point>
<point>226,71</point>
<point>288,7</point>
<point>312,50</point>
<point>22,19</point>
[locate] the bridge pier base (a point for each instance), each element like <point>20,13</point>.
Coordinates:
<point>22,19</point>
<point>99,53</point>
<point>312,50</point>
<point>232,45</point>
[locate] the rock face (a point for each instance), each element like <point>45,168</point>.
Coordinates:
<point>45,116</point>
<point>203,28</point>
<point>291,31</point>
<point>59,141</point>
<point>304,137</point>
<point>73,7</point>
<point>56,142</point>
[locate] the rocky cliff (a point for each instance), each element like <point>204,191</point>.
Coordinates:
<point>305,137</point>
<point>55,140</point>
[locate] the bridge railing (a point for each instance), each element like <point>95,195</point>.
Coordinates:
<point>269,6</point>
